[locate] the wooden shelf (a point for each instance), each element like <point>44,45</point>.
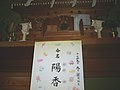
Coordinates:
<point>17,44</point>
<point>84,41</point>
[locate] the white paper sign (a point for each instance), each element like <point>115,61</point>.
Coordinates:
<point>57,65</point>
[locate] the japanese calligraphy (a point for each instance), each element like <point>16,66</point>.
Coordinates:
<point>55,81</point>
<point>57,55</point>
<point>77,58</point>
<point>78,68</point>
<point>56,66</point>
